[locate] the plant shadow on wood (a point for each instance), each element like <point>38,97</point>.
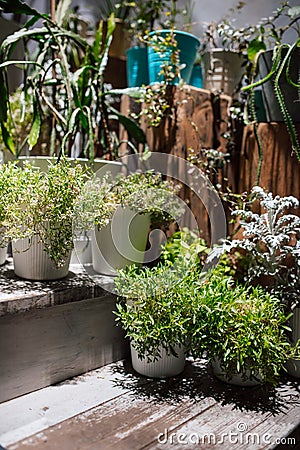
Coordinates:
<point>197,383</point>
<point>10,282</point>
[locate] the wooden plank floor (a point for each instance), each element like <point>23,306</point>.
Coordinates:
<point>131,412</point>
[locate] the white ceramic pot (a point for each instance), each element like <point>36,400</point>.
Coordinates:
<point>293,366</point>
<point>122,242</point>
<point>222,71</point>
<point>82,252</point>
<point>167,365</point>
<point>3,254</point>
<point>33,263</point>
<point>236,379</point>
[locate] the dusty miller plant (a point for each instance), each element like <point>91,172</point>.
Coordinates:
<point>271,241</point>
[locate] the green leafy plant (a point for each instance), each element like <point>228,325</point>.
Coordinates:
<point>8,193</point>
<point>270,244</point>
<point>281,67</point>
<point>243,327</point>
<point>157,101</point>
<point>145,193</point>
<point>145,16</point>
<point>42,204</point>
<point>72,100</point>
<point>155,306</point>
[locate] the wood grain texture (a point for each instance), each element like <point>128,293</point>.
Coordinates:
<point>280,172</point>
<point>157,414</point>
<point>45,346</point>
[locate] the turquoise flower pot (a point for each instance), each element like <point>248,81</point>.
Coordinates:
<point>187,45</point>
<point>196,76</point>
<point>137,66</point>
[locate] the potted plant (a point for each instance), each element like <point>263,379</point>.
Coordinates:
<point>140,20</point>
<point>118,209</point>
<point>222,52</point>
<point>39,218</point>
<point>156,309</point>
<point>64,84</point>
<point>269,252</point>
<point>6,189</point>
<point>275,71</point>
<point>144,21</point>
<point>248,41</point>
<point>243,330</point>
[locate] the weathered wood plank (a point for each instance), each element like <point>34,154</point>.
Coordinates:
<point>44,346</point>
<point>280,168</point>
<point>194,407</point>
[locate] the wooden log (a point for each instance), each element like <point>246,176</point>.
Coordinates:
<point>280,171</point>
<point>197,120</point>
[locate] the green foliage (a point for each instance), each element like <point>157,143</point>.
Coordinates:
<point>251,39</point>
<point>156,305</point>
<point>271,244</point>
<point>281,64</point>
<point>42,204</point>
<point>243,326</point>
<point>212,314</point>
<point>19,122</point>
<point>157,100</point>
<point>145,193</point>
<point>63,82</point>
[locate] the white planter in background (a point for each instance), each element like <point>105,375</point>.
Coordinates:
<point>33,263</point>
<point>82,252</point>
<point>222,71</point>
<point>121,242</point>
<point>3,254</point>
<point>167,365</point>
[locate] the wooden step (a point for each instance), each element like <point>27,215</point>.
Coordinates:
<point>51,331</point>
<point>115,408</point>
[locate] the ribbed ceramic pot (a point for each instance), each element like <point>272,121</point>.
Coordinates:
<point>120,243</point>
<point>33,263</point>
<point>222,71</point>
<point>3,254</point>
<point>82,252</point>
<point>237,379</point>
<point>167,365</point>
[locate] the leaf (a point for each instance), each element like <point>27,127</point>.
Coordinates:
<point>255,46</point>
<point>35,128</point>
<point>131,126</point>
<point>4,98</point>
<point>62,10</point>
<point>134,92</point>
<point>8,140</point>
<point>19,7</point>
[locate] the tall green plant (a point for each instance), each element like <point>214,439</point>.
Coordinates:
<point>281,68</point>
<point>42,204</point>
<point>72,99</point>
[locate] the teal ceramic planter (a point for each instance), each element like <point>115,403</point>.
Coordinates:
<point>188,45</point>
<point>196,76</point>
<point>137,66</point>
